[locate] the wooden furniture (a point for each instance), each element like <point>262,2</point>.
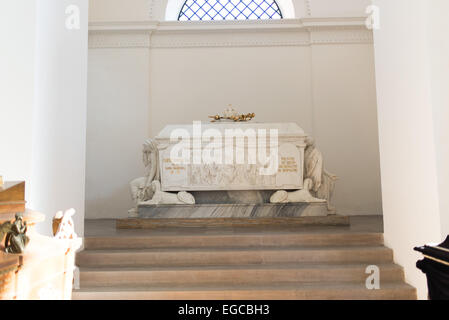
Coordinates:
<point>43,271</point>
<point>12,197</point>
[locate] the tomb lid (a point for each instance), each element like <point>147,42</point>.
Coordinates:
<point>289,129</point>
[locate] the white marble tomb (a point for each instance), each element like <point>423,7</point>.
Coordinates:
<point>191,176</point>
<point>270,163</point>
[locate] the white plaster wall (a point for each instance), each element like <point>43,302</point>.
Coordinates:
<point>337,8</point>
<point>345,124</point>
<point>412,135</point>
<point>193,83</point>
<point>337,107</point>
<point>117,126</point>
<point>120,10</point>
<point>59,118</point>
<point>17,87</point>
<point>328,89</point>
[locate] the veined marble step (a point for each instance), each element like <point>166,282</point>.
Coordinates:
<point>233,256</point>
<point>231,222</point>
<point>212,239</point>
<point>261,274</point>
<point>315,291</point>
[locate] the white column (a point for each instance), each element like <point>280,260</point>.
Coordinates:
<point>439,68</point>
<point>59,118</point>
<point>412,80</point>
<point>17,25</point>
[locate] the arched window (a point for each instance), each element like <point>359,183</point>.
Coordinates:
<point>229,10</point>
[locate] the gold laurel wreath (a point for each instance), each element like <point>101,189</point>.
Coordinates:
<point>237,118</point>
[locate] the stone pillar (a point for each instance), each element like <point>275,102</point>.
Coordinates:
<point>412,70</point>
<point>59,117</point>
<point>17,34</point>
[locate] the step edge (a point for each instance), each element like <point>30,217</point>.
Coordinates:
<point>233,249</point>
<point>262,266</point>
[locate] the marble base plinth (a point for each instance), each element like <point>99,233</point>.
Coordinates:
<point>289,222</point>
<point>232,215</point>
<point>265,210</point>
<point>233,197</point>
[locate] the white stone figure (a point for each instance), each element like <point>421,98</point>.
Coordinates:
<point>323,182</point>
<point>302,195</point>
<point>162,197</point>
<point>63,225</point>
<point>141,189</point>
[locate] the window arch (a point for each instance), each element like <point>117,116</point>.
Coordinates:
<point>229,10</point>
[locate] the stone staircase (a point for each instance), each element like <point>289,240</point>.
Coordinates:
<point>279,263</point>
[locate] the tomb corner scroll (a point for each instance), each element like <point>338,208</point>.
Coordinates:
<point>319,184</point>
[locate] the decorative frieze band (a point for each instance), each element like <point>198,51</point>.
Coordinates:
<point>101,39</point>
<point>341,35</point>
<point>230,39</point>
<point>295,32</point>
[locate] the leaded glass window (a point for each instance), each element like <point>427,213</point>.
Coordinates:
<point>229,10</point>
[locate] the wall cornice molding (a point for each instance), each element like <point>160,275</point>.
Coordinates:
<point>175,34</point>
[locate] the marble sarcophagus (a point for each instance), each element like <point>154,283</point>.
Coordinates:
<point>227,169</point>
<point>231,156</point>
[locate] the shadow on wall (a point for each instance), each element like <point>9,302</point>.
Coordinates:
<point>115,205</point>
